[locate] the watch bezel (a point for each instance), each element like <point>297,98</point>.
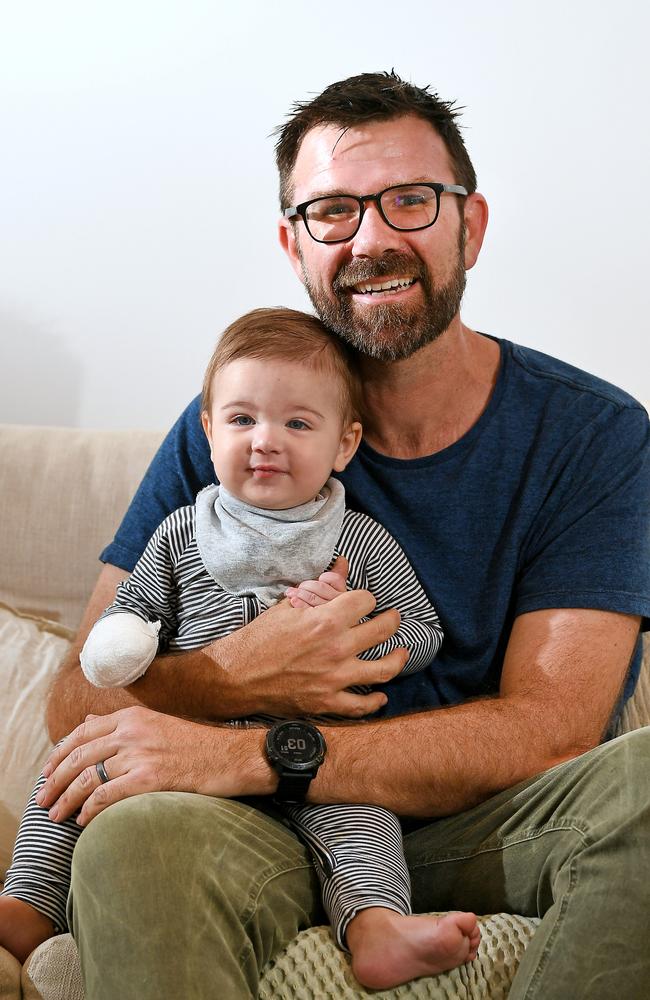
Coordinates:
<point>276,756</point>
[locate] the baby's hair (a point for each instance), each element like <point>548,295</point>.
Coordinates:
<point>288,335</point>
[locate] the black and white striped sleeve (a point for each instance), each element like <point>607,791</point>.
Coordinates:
<point>150,591</point>
<point>378,564</point>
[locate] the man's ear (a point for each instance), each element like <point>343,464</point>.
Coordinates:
<point>350,441</point>
<point>289,243</point>
<point>475,211</point>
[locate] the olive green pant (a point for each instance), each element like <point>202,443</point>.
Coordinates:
<point>179,895</point>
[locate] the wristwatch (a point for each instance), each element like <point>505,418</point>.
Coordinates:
<point>295,750</point>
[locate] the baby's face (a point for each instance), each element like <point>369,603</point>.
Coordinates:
<point>276,432</point>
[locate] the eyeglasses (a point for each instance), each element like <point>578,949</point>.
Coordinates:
<point>405,207</point>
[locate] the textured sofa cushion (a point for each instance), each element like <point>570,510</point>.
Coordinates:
<point>312,967</point>
<point>64,492</point>
<point>31,649</point>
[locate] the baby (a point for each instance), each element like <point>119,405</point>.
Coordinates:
<point>279,408</point>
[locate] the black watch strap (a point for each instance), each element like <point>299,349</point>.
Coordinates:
<point>292,788</point>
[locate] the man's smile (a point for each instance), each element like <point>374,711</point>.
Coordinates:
<point>387,286</point>
<point>388,277</point>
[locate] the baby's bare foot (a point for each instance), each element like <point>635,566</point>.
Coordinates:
<point>22,927</point>
<point>389,949</point>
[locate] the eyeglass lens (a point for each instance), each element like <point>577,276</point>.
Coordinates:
<point>404,207</point>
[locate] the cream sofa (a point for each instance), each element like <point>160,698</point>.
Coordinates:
<point>63,492</point>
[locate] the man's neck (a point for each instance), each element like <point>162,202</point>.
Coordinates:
<point>419,406</point>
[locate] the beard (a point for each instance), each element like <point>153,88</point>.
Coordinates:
<point>389,331</point>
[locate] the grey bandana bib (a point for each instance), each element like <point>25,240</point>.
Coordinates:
<point>248,550</point>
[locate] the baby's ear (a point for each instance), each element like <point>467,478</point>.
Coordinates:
<point>350,440</point>
<point>205,423</point>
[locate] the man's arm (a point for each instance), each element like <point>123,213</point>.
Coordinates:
<point>287,661</point>
<point>563,673</point>
<point>71,696</point>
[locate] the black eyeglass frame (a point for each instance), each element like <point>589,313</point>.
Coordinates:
<point>300,211</point>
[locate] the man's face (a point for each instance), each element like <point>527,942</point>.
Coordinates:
<point>429,264</point>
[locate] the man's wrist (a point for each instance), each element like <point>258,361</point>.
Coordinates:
<point>237,764</point>
<point>222,666</point>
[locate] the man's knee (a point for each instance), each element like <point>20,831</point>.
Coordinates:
<point>618,783</point>
<point>627,756</point>
<point>180,891</point>
<point>631,761</point>
<point>180,839</point>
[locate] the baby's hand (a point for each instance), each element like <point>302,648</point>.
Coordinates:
<point>311,593</point>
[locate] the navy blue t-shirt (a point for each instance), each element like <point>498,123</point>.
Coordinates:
<point>544,503</point>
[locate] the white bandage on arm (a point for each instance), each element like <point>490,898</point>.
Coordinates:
<point>119,649</point>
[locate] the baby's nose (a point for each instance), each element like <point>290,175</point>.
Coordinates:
<point>265,438</point>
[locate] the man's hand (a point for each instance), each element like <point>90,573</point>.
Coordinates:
<point>145,751</point>
<point>301,661</point>
<point>311,593</point>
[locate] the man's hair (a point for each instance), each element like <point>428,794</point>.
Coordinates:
<point>370,97</point>
<point>288,335</point>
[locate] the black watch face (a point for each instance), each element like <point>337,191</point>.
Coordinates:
<point>296,742</point>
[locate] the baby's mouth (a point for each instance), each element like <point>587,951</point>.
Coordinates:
<point>266,471</point>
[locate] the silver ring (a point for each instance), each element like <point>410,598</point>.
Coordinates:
<point>100,767</point>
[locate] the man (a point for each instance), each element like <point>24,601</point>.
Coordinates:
<point>518,487</point>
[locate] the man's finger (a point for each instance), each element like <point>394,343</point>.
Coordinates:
<point>347,609</point>
<point>81,758</point>
<point>92,728</point>
<point>382,670</point>
<point>88,783</point>
<point>105,795</point>
<point>356,706</point>
<point>367,634</point>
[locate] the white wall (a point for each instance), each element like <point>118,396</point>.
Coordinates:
<point>138,192</point>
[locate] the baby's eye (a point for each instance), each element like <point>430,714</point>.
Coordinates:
<point>242,420</point>
<point>297,425</point>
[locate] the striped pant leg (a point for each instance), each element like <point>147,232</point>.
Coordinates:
<point>40,867</point>
<point>359,857</point>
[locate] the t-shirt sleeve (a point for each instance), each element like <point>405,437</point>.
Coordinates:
<point>590,547</point>
<point>179,469</point>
